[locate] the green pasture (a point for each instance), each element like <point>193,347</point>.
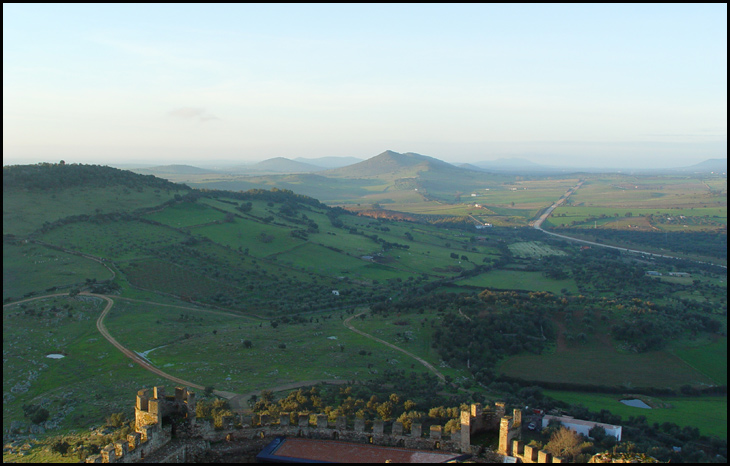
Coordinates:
<point>518,280</point>
<point>709,359</point>
<point>322,260</point>
<point>708,414</point>
<point>415,336</point>
<point>310,354</point>
<point>247,234</point>
<point>530,198</point>
<point>94,379</point>
<point>169,278</point>
<point>25,212</point>
<point>577,364</point>
<point>29,267</point>
<point>186,214</point>
<point>113,240</point>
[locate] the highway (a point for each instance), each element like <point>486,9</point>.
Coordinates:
<point>537,224</point>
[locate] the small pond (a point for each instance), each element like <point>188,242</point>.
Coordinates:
<point>55,356</point>
<point>636,404</point>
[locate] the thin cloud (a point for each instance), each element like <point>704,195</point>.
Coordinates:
<point>188,113</point>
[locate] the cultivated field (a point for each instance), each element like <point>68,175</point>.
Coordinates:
<point>708,414</point>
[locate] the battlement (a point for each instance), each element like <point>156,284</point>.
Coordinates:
<point>152,406</point>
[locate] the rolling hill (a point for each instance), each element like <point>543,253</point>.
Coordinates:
<point>709,165</point>
<point>172,170</point>
<point>393,164</point>
<point>277,165</point>
<point>329,162</point>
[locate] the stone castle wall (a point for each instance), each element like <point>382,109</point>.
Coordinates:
<point>150,436</point>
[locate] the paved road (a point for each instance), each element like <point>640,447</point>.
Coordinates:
<point>538,226</point>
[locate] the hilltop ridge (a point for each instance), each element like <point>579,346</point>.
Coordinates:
<point>392,163</point>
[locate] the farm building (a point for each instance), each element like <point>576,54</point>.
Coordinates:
<point>654,273</point>
<point>679,274</point>
<point>582,427</point>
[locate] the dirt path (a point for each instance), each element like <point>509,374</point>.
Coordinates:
<point>238,401</point>
<point>367,335</point>
<point>131,354</point>
<point>224,313</point>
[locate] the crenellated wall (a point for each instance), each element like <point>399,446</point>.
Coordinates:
<point>150,435</point>
<point>152,406</point>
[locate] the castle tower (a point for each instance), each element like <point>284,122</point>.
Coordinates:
<point>465,432</point>
<point>505,425</point>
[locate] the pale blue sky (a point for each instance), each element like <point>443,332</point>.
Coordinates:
<point>593,85</point>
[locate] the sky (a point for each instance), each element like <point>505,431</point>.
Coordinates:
<point>634,86</point>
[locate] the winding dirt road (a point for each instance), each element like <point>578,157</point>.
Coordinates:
<point>237,400</point>
<point>367,335</point>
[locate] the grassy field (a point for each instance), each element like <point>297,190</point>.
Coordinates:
<point>707,359</point>
<point>412,333</point>
<point>709,414</point>
<point>310,353</point>
<point>29,267</point>
<point>23,214</point>
<point>517,280</point>
<point>186,215</point>
<point>578,365</point>
<point>91,382</point>
<point>113,240</point>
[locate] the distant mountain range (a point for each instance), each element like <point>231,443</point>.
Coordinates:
<point>391,165</point>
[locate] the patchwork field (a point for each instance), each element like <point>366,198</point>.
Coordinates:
<point>660,203</point>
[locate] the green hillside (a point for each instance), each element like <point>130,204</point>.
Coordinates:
<point>198,272</point>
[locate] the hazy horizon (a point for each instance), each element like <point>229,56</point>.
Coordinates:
<point>619,86</point>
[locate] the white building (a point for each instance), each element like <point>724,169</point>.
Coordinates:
<point>582,427</point>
